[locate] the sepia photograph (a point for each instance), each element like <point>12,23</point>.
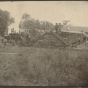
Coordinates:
<point>44,43</point>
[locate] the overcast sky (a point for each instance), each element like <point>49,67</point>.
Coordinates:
<point>52,11</point>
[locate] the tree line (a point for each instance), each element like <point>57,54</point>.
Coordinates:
<point>28,22</point>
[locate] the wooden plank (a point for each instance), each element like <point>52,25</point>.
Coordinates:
<point>59,38</point>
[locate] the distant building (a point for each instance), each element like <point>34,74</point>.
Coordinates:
<point>11,28</point>
<point>24,30</point>
<point>78,28</point>
<point>6,32</point>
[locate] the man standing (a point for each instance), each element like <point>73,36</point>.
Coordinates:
<point>59,27</point>
<point>56,28</point>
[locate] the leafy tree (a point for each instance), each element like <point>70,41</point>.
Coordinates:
<point>5,21</point>
<point>37,24</point>
<point>27,22</point>
<point>43,25</point>
<point>12,20</point>
<point>26,16</point>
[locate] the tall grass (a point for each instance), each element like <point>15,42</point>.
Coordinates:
<point>45,67</point>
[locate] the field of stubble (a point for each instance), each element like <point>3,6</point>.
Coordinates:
<point>28,66</point>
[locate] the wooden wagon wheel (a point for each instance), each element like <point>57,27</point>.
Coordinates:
<point>19,41</point>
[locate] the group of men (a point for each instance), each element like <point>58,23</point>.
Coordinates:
<point>58,27</point>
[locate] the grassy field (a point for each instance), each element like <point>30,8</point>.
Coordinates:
<point>30,66</point>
